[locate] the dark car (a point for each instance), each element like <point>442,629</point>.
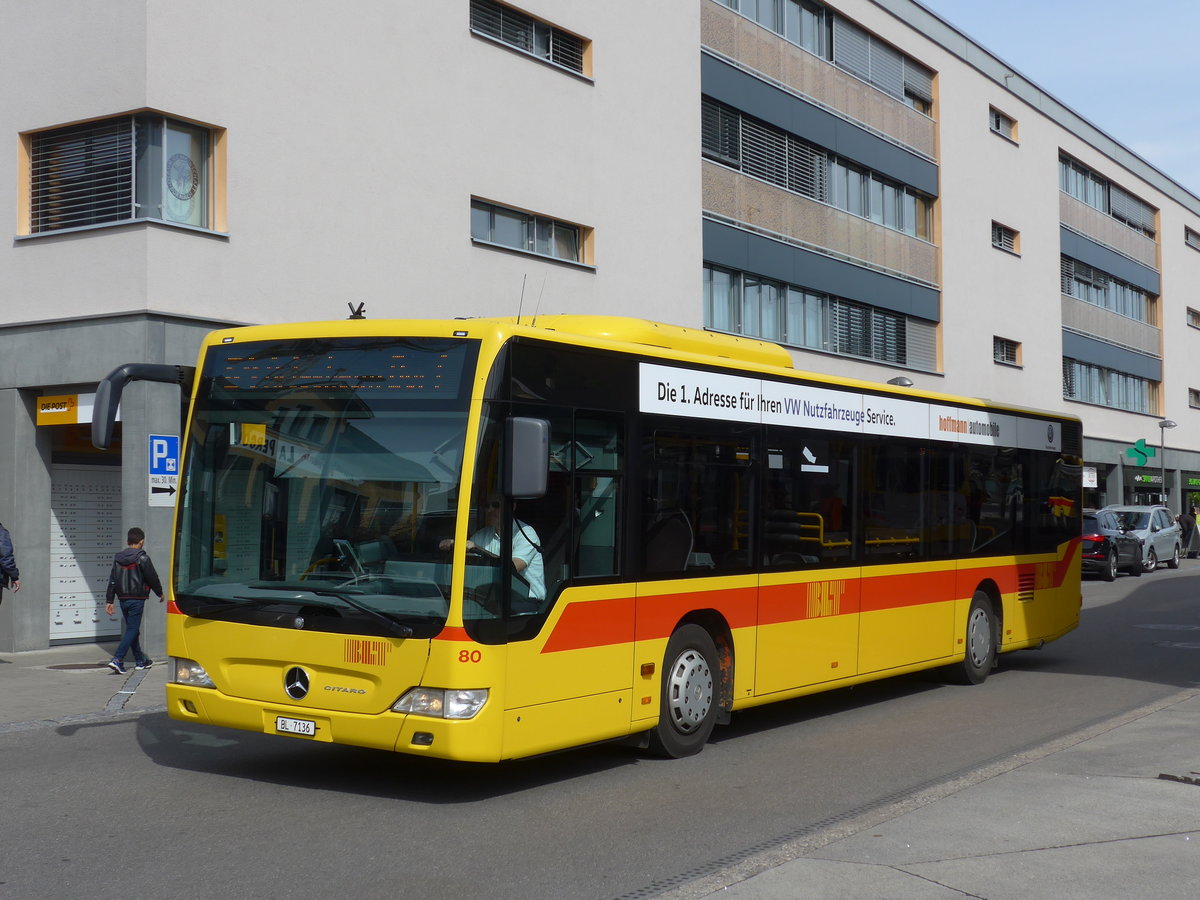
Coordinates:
<point>1108,547</point>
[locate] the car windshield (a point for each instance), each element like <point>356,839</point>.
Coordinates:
<point>321,476</point>
<point>1090,524</point>
<point>1135,519</point>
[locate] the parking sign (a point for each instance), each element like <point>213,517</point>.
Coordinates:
<point>164,469</point>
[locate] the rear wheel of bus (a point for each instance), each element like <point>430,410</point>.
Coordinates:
<point>688,701</point>
<point>980,655</point>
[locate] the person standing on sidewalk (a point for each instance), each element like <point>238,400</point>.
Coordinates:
<point>131,581</point>
<point>9,575</point>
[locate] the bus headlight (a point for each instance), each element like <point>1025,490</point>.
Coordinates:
<point>442,704</point>
<point>189,672</point>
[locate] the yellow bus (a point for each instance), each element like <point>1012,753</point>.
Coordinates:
<point>492,538</point>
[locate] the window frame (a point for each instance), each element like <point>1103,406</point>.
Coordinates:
<point>1006,239</point>
<point>209,177</point>
<point>1006,351</point>
<point>533,226</point>
<point>544,34</point>
<point>1002,124</point>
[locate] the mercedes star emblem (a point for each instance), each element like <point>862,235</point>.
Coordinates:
<point>295,682</point>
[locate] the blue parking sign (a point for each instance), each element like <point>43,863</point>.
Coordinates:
<point>164,469</point>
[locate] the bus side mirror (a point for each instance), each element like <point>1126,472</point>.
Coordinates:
<point>527,449</point>
<point>108,394</point>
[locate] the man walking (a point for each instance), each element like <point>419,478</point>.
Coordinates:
<point>9,575</point>
<point>131,580</point>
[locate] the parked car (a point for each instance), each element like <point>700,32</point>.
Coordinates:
<point>1107,547</point>
<point>1162,538</point>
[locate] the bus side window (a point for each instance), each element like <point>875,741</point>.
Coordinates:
<point>807,519</point>
<point>598,464</point>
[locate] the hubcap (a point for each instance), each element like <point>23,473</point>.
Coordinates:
<point>689,691</point>
<point>979,637</point>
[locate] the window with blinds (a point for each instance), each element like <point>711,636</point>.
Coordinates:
<point>1002,124</point>
<point>741,303</point>
<point>783,159</point>
<point>1094,286</point>
<point>82,175</point>
<point>145,166</point>
<point>1004,238</point>
<point>1191,238</point>
<point>824,33</point>
<point>527,34</point>
<point>1083,184</point>
<point>1004,351</point>
<point>1087,383</point>
<point>1193,398</point>
<point>526,232</point>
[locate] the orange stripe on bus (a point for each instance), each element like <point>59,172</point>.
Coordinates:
<point>598,623</point>
<point>646,617</point>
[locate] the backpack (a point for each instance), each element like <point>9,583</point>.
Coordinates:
<point>129,579</point>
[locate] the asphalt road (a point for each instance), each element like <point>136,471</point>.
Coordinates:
<point>146,806</point>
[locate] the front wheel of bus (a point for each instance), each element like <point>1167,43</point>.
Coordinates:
<point>689,694</point>
<point>981,643</point>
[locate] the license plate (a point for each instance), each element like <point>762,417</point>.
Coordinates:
<point>295,726</point>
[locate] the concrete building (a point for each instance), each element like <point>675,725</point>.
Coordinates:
<point>855,179</point>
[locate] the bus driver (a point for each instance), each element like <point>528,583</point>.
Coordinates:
<point>527,548</point>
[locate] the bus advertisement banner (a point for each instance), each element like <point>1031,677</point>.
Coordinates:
<point>713,395</point>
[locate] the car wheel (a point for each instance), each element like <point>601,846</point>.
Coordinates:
<point>1151,560</point>
<point>1109,572</point>
<point>1173,562</point>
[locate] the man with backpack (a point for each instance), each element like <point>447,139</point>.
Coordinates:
<point>131,580</point>
<point>10,576</point>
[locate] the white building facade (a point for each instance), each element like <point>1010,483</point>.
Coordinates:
<point>854,179</point>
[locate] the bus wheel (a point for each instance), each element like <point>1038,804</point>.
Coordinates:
<point>689,694</point>
<point>981,643</point>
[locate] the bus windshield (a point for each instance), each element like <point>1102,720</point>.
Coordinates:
<point>321,476</point>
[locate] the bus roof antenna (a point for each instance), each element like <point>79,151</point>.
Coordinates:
<point>357,312</point>
<point>521,303</point>
<point>538,305</point>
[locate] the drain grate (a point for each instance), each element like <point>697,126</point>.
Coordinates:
<point>73,667</point>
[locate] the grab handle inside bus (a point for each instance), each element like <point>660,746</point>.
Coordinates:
<point>527,449</point>
<point>108,393</point>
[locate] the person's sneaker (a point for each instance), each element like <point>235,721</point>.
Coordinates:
<point>145,664</point>
<point>116,666</point>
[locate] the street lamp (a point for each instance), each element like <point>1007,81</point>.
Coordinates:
<point>1162,455</point>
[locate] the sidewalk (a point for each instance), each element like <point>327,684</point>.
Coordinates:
<point>1110,812</point>
<point>68,683</point>
<point>1113,811</point>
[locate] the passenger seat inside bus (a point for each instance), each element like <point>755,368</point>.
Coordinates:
<point>668,542</point>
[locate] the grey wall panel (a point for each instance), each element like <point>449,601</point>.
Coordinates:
<point>1098,353</point>
<point>725,245</point>
<point>1100,257</point>
<point>757,98</point>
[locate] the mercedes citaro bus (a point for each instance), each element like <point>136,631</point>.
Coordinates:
<point>492,538</point>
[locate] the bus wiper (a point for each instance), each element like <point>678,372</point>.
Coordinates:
<point>397,628</point>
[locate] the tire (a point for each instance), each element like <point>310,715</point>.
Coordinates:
<point>1151,562</point>
<point>1173,562</point>
<point>1136,569</point>
<point>688,695</point>
<point>981,636</point>
<point>1109,573</point>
